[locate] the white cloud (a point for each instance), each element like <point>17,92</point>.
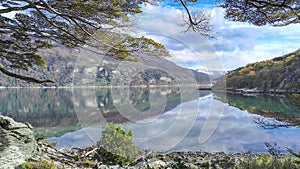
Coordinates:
<point>236,44</point>
<point>161,10</point>
<point>232,60</point>
<point>217,17</point>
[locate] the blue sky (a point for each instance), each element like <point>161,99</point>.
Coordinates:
<point>236,44</point>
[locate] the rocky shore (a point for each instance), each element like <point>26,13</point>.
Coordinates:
<point>17,142</point>
<point>19,149</point>
<point>78,158</point>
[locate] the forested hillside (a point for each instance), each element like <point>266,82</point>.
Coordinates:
<point>281,74</point>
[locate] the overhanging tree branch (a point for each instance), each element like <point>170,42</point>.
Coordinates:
<point>41,24</point>
<point>28,79</point>
<point>263,12</point>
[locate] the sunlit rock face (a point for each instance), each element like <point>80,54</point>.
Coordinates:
<point>17,142</point>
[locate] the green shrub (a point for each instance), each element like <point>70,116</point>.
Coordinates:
<point>296,156</point>
<point>42,164</point>
<point>116,146</point>
<point>27,165</point>
<point>267,162</point>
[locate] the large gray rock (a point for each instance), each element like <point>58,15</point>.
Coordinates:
<point>17,142</point>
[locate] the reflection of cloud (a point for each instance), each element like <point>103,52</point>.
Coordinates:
<point>82,138</point>
<point>236,132</point>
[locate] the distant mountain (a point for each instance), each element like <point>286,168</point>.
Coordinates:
<point>213,74</point>
<point>279,75</point>
<point>69,67</point>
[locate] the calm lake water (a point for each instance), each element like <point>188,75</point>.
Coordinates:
<point>163,119</point>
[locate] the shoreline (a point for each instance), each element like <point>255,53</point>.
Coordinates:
<point>257,91</point>
<point>243,91</point>
<point>41,152</point>
<point>93,86</point>
<point>84,158</point>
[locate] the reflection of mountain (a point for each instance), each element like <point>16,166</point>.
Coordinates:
<point>130,104</point>
<point>82,67</point>
<point>65,108</point>
<point>40,107</point>
<point>281,109</point>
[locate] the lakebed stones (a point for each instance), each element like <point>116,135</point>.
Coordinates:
<point>17,142</point>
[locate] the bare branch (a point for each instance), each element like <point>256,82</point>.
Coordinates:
<point>198,22</point>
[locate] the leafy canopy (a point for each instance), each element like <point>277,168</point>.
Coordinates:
<point>263,12</point>
<point>42,24</point>
<point>259,12</point>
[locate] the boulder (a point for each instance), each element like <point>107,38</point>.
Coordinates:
<point>17,142</point>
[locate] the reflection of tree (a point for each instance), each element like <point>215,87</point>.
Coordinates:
<point>104,100</point>
<point>268,123</point>
<point>280,116</point>
<point>139,98</point>
<point>62,107</point>
<point>135,102</point>
<point>40,107</point>
<point>114,104</point>
<point>278,108</point>
<point>273,149</point>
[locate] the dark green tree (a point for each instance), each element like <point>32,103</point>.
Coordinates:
<point>263,12</point>
<point>116,146</point>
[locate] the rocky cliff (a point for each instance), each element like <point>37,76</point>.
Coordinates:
<point>71,67</point>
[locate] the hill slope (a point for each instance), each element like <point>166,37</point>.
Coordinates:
<point>281,74</point>
<point>68,67</point>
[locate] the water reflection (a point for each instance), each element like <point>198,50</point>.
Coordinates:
<point>119,105</point>
<point>236,132</point>
<point>40,107</point>
<point>171,119</point>
<point>281,109</point>
<point>57,111</point>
